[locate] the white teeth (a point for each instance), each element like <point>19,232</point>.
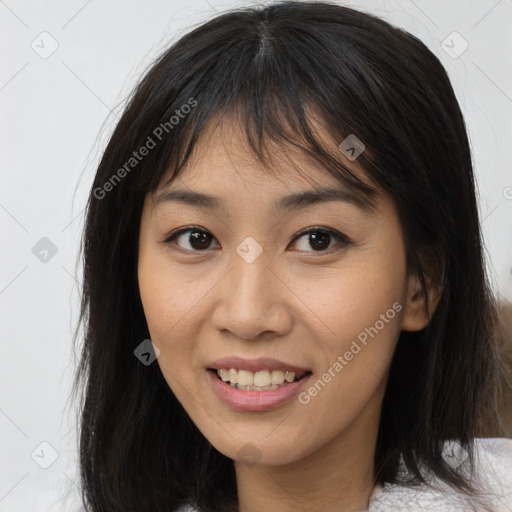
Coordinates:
<point>245,378</point>
<point>233,376</point>
<point>277,377</point>
<point>261,380</point>
<point>254,388</point>
<point>289,376</point>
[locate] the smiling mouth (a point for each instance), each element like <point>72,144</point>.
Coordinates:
<point>263,380</point>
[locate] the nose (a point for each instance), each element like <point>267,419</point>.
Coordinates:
<point>253,301</point>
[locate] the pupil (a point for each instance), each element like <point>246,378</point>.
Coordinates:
<point>319,238</point>
<point>199,240</point>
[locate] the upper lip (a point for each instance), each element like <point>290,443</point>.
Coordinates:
<point>256,365</point>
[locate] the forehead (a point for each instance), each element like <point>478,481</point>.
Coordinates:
<point>223,157</point>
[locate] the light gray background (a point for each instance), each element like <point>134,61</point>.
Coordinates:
<point>57,113</point>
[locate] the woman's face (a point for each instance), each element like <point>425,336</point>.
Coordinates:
<point>257,285</point>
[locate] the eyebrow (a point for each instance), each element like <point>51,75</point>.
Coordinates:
<point>290,202</point>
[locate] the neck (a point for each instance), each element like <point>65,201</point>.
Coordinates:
<point>338,476</point>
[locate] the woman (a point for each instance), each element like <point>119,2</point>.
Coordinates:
<point>285,304</point>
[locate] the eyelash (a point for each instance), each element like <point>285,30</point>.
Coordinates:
<point>345,241</point>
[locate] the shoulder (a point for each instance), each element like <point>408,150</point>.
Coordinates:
<point>493,473</point>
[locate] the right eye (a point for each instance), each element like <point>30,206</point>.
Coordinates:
<point>192,239</point>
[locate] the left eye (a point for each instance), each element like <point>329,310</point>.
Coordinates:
<point>320,239</point>
<point>198,239</point>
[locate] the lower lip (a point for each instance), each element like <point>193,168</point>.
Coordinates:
<point>256,400</point>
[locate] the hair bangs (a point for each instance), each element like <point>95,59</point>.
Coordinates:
<point>275,125</point>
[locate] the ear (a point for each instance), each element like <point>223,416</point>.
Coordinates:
<point>415,315</point>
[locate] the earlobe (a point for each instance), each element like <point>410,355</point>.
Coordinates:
<point>416,314</point>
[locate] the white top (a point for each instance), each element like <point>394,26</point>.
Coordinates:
<point>493,468</point>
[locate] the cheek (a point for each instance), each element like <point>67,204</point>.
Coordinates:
<point>168,311</point>
<point>362,309</point>
<point>349,302</point>
<point>362,293</point>
<point>166,314</point>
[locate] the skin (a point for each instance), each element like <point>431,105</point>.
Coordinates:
<point>293,303</point>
